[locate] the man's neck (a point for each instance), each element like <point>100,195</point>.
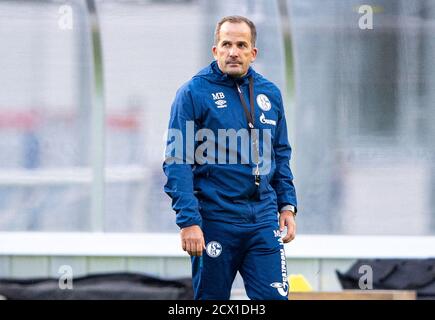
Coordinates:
<point>237,76</point>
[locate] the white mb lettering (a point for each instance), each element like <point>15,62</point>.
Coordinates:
<point>218,95</point>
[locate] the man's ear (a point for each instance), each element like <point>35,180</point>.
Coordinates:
<point>254,54</point>
<point>214,51</point>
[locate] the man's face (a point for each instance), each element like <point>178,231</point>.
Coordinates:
<point>234,52</point>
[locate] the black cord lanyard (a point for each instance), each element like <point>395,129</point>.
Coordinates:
<point>250,117</point>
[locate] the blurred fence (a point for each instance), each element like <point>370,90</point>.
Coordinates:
<point>360,109</point>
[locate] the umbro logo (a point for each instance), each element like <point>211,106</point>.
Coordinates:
<point>218,99</point>
<point>221,103</point>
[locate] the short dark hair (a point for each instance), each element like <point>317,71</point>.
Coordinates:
<point>236,19</point>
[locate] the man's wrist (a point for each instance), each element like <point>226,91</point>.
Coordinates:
<point>289,207</point>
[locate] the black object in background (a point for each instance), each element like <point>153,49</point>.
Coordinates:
<point>116,286</point>
<point>394,274</point>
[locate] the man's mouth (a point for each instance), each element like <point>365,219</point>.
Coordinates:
<point>233,63</point>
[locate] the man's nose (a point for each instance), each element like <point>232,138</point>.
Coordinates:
<point>234,52</point>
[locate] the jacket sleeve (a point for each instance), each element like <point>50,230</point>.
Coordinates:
<point>282,180</point>
<point>178,163</point>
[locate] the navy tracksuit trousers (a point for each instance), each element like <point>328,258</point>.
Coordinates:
<point>255,250</point>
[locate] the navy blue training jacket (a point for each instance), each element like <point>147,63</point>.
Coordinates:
<point>221,191</point>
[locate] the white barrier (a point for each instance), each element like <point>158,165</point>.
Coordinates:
<point>168,245</point>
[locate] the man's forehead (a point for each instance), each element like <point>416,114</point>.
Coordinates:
<point>239,31</point>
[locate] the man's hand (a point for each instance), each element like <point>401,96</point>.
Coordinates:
<point>192,240</point>
<point>287,219</point>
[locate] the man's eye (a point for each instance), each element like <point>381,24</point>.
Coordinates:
<point>242,45</point>
<point>226,44</point>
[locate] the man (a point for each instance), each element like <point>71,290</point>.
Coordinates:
<point>230,209</point>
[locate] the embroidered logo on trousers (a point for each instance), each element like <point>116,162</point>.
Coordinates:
<point>214,249</point>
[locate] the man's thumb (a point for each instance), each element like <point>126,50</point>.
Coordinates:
<point>281,225</point>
